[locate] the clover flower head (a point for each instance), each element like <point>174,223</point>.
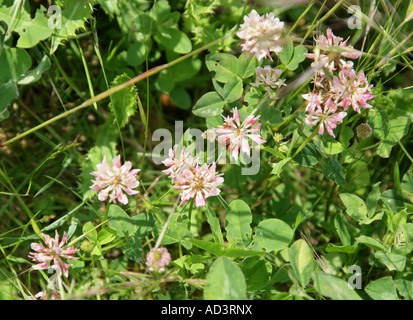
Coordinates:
<point>352,90</point>
<point>269,78</point>
<point>195,181</point>
<point>49,257</point>
<point>261,34</point>
<point>326,114</point>
<point>115,180</point>
<point>158,259</point>
<point>199,183</point>
<point>178,161</point>
<point>235,135</point>
<point>331,51</point>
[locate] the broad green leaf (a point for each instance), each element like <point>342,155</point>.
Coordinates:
<point>174,40</point>
<point>14,62</point>
<point>8,92</point>
<point>370,242</point>
<point>246,65</point>
<point>308,156</point>
<point>333,171</point>
<point>288,50</point>
<point>333,147</point>
<point>177,231</point>
<point>35,30</point>
<point>73,18</point>
<point>225,281</point>
<point>391,260</point>
<point>136,54</point>
<point>144,223</point>
<point>181,98</point>
<point>272,235</point>
<point>335,288</point>
<point>144,24</point>
<point>90,231</point>
<point>405,288</point>
<point>257,273</point>
<point>302,261</point>
<point>356,207</point>
<point>407,182</point>
<point>239,253</point>
<point>224,65</point>
<point>297,58</point>
<point>341,226</point>
<point>209,105</point>
<point>279,166</point>
<point>238,222</point>
<point>379,123</point>
<point>120,221</point>
<point>372,199</point>
<point>106,235</point>
<point>214,248</point>
<point>382,289</point>
<point>123,103</point>
<point>346,248</point>
<point>132,247</point>
<point>214,224</point>
<point>35,74</point>
<point>232,90</point>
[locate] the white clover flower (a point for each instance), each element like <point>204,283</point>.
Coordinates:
<point>261,34</point>
<point>269,78</point>
<point>53,252</point>
<point>235,134</point>
<point>114,180</point>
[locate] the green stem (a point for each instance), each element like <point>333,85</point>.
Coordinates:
<point>113,90</point>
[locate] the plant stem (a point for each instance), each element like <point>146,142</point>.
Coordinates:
<point>161,235</point>
<point>109,92</point>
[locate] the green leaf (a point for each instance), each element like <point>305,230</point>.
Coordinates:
<point>14,62</point>
<point>225,281</point>
<point>279,166</point>
<point>106,235</point>
<point>35,30</point>
<point>302,261</point>
<point>214,224</point>
<point>181,98</point>
<point>298,57</point>
<point>74,16</point>
<point>257,273</point>
<point>239,253</point>
<point>214,248</point>
<point>340,224</point>
<point>225,66</point>
<point>335,288</point>
<point>405,288</point>
<point>308,156</point>
<point>136,54</point>
<point>35,74</point>
<point>209,105</point>
<point>333,171</point>
<point>356,207</point>
<point>382,289</point>
<point>90,231</point>
<point>173,39</point>
<point>123,103</point>
<point>8,92</point>
<point>238,222</point>
<point>232,90</point>
<point>379,123</point>
<point>246,65</point>
<point>272,235</point>
<point>370,242</point>
<point>120,221</point>
<point>391,260</point>
<point>132,247</point>
<point>288,50</point>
